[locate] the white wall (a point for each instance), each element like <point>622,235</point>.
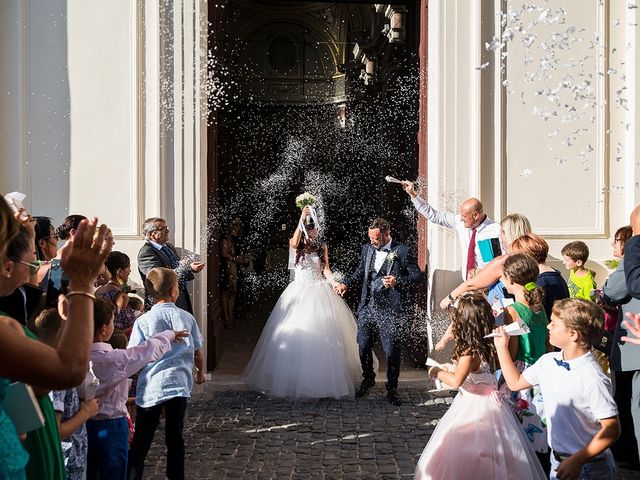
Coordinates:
<point>100,114</point>
<point>483,140</point>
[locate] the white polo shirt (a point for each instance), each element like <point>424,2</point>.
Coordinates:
<point>574,400</point>
<point>487,229</point>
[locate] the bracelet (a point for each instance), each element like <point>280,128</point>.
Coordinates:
<point>80,292</point>
<point>450,297</point>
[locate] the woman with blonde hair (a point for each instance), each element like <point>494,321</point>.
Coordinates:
<point>511,227</point>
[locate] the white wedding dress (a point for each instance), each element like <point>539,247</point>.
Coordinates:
<point>308,346</point>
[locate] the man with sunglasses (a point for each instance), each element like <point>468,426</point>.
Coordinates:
<point>158,252</point>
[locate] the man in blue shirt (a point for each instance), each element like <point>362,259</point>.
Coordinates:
<point>167,383</point>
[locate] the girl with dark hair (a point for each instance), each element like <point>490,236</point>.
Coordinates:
<point>68,228</point>
<point>117,289</point>
<point>519,276</point>
<point>46,239</point>
<point>46,245</point>
<point>478,437</point>
<point>308,346</point>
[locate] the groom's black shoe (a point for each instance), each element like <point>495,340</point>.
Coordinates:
<point>394,399</point>
<point>366,385</point>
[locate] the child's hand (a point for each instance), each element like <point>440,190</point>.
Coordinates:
<point>570,468</point>
<point>502,340</point>
<point>180,334</point>
<point>446,338</point>
<point>91,407</point>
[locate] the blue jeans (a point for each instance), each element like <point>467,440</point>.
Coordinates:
<point>108,449</point>
<point>600,468</point>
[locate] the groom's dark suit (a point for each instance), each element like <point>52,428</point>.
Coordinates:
<point>383,311</point>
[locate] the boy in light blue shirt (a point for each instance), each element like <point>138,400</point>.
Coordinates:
<point>165,384</point>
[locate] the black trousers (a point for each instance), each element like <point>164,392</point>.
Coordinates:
<point>147,420</point>
<point>373,324</point>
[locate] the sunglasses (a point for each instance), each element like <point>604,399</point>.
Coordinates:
<point>34,266</point>
<point>55,237</point>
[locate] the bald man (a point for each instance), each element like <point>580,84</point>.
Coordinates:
<point>471,224</point>
<point>632,256</point>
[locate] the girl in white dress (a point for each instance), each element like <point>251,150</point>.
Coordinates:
<point>479,436</point>
<point>308,346</point>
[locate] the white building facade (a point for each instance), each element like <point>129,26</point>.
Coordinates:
<point>103,112</point>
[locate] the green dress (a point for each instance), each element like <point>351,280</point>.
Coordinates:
<point>45,451</point>
<point>13,457</point>
<point>532,345</point>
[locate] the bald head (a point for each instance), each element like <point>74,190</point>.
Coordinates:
<point>471,212</point>
<point>635,220</point>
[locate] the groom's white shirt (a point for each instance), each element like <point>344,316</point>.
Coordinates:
<point>381,256</point>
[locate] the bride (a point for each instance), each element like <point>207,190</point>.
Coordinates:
<point>308,346</point>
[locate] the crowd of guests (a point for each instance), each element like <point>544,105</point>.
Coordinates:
<point>571,380</point>
<point>74,335</point>
<point>102,365</point>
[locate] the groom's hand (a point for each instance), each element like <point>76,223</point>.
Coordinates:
<point>340,289</point>
<point>389,281</point>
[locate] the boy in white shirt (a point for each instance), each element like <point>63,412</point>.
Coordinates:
<point>582,421</point>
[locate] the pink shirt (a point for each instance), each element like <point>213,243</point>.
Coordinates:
<point>114,367</point>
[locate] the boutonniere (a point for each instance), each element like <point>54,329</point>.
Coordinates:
<point>391,257</point>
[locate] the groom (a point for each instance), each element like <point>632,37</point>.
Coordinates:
<point>387,270</point>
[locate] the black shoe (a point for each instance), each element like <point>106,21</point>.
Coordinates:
<point>366,385</point>
<point>394,399</point>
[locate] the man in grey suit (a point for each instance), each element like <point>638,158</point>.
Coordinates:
<point>625,365</point>
<point>632,256</point>
<point>158,252</point>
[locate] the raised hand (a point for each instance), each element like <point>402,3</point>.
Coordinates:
<point>633,325</point>
<point>83,258</point>
<point>445,303</point>
<point>409,187</point>
<point>197,266</point>
<point>502,340</point>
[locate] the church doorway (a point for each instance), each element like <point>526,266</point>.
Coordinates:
<point>306,97</point>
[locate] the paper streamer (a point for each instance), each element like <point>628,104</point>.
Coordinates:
<point>513,329</point>
<point>391,179</point>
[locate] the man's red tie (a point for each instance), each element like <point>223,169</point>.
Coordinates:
<point>471,253</point>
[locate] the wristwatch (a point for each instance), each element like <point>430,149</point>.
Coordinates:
<point>450,297</point>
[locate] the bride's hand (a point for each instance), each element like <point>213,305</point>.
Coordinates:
<point>340,288</point>
<point>305,213</point>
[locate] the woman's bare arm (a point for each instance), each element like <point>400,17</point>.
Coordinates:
<point>30,361</point>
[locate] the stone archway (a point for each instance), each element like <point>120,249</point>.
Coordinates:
<point>268,26</point>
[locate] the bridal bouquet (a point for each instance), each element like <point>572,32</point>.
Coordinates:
<point>305,199</point>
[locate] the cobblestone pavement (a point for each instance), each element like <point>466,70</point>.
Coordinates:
<point>246,435</point>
